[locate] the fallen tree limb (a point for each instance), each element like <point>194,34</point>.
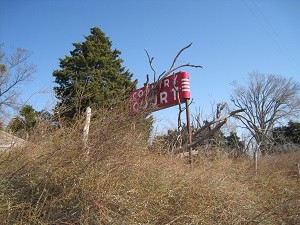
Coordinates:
<point>221,121</point>
<point>207,135</point>
<point>216,121</point>
<point>203,138</point>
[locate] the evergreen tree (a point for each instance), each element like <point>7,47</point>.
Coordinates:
<point>24,124</point>
<point>234,145</point>
<point>289,133</point>
<point>293,132</point>
<point>30,117</point>
<point>92,75</point>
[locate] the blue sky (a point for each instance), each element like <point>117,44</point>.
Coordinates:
<point>231,38</point>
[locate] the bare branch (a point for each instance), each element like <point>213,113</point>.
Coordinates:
<point>150,60</point>
<point>172,69</point>
<point>14,70</point>
<point>221,119</point>
<point>178,67</point>
<point>207,135</point>
<point>178,54</point>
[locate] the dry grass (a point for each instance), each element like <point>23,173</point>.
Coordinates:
<point>51,181</point>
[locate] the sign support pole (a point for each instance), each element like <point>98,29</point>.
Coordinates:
<point>189,130</point>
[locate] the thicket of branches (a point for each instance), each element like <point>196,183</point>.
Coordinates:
<point>268,100</point>
<point>51,180</point>
<point>15,70</point>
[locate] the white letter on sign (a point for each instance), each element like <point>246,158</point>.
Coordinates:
<point>163,97</point>
<point>140,94</point>
<point>134,107</point>
<point>174,90</point>
<point>166,83</point>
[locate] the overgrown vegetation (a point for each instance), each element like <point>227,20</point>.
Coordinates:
<point>118,177</point>
<point>51,180</point>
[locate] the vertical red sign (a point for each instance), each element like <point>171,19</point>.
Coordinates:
<point>168,92</point>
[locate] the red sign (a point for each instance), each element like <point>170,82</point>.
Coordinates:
<point>168,92</point>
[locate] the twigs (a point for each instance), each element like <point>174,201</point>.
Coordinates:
<point>150,60</point>
<point>14,71</point>
<point>157,83</point>
<point>178,54</point>
<point>208,124</point>
<point>207,135</point>
<point>179,218</point>
<point>172,68</point>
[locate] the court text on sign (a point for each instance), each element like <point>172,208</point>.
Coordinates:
<point>165,93</point>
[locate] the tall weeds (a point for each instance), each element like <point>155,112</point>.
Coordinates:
<point>51,180</point>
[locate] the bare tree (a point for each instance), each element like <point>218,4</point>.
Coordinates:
<point>267,100</point>
<point>14,71</point>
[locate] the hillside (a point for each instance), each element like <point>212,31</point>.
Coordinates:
<point>51,180</point>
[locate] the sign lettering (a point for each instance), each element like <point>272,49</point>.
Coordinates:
<point>168,92</point>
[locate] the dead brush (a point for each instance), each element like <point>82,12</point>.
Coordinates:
<point>52,180</point>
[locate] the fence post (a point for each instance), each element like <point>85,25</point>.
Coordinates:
<point>86,129</point>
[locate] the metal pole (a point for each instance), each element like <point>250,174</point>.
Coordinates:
<point>189,130</point>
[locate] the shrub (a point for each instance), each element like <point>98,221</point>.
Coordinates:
<point>52,180</point>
